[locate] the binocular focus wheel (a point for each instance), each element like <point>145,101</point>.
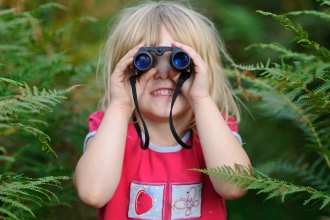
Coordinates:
<point>143,60</point>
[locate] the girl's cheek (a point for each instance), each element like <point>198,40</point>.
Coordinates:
<point>173,74</point>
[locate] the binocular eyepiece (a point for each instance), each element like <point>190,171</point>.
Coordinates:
<point>143,60</point>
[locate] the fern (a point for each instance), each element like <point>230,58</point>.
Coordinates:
<point>27,189</point>
<point>296,89</point>
<point>4,80</point>
<point>30,55</point>
<point>30,101</point>
<point>314,174</point>
<point>69,26</point>
<point>285,53</point>
<point>253,179</point>
<point>302,36</point>
<point>317,14</point>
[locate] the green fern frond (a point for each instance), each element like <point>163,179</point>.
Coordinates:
<point>45,7</point>
<point>325,87</point>
<point>12,23</point>
<point>8,213</point>
<point>26,189</point>
<point>285,53</point>
<point>7,158</point>
<point>263,183</point>
<point>12,82</point>
<point>70,25</point>
<point>12,48</point>
<point>32,101</point>
<point>259,66</point>
<point>324,2</point>
<point>290,81</point>
<point>42,137</point>
<point>321,15</point>
<point>284,21</point>
<point>7,11</point>
<point>315,175</point>
<point>15,204</point>
<point>302,36</point>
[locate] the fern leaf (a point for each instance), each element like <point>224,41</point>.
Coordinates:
<point>13,82</point>
<point>26,189</point>
<point>42,137</point>
<point>325,203</point>
<point>324,2</point>
<point>8,213</point>
<point>69,26</point>
<point>7,11</point>
<point>322,88</point>
<point>45,7</point>
<point>7,158</point>
<point>264,184</point>
<point>16,204</point>
<point>285,53</point>
<point>321,15</point>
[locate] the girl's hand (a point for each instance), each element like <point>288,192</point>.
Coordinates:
<point>120,88</point>
<point>197,86</point>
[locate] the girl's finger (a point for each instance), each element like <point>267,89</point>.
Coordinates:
<point>192,53</point>
<point>145,77</point>
<point>127,60</point>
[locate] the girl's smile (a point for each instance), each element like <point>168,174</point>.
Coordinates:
<point>163,92</point>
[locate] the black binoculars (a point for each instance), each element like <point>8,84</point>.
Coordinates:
<point>143,60</point>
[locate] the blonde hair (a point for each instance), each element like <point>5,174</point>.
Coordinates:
<point>143,23</point>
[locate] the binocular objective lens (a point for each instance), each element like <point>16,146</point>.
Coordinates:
<point>181,60</point>
<point>142,62</point>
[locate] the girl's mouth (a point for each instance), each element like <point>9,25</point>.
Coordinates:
<point>163,92</point>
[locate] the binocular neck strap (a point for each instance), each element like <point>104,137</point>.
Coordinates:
<point>183,77</point>
<point>144,146</point>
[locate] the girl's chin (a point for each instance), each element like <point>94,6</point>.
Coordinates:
<point>158,116</point>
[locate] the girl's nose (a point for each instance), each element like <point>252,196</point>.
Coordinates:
<point>163,69</point>
<point>163,66</point>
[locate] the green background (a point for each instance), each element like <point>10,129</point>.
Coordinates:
<point>265,138</point>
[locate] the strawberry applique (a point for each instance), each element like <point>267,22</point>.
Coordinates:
<point>143,201</point>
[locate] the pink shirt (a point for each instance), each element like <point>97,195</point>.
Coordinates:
<point>157,184</point>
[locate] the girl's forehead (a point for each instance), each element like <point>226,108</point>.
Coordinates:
<point>160,36</point>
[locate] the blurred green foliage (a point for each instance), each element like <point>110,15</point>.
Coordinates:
<point>77,33</point>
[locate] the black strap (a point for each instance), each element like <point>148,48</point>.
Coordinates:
<point>183,77</point>
<point>144,146</point>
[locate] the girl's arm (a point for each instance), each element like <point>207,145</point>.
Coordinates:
<point>220,147</point>
<point>99,169</point>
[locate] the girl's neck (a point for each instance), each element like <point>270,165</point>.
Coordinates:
<point>160,133</point>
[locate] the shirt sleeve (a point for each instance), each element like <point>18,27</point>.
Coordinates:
<point>232,124</point>
<point>94,121</point>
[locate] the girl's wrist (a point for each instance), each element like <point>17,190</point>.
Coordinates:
<point>201,102</point>
<point>121,109</point>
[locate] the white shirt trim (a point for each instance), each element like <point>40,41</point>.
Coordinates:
<point>168,149</point>
<point>89,135</point>
<point>238,137</point>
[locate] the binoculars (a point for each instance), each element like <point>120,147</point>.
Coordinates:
<point>143,60</point>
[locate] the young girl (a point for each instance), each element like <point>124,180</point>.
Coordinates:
<point>126,182</point>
